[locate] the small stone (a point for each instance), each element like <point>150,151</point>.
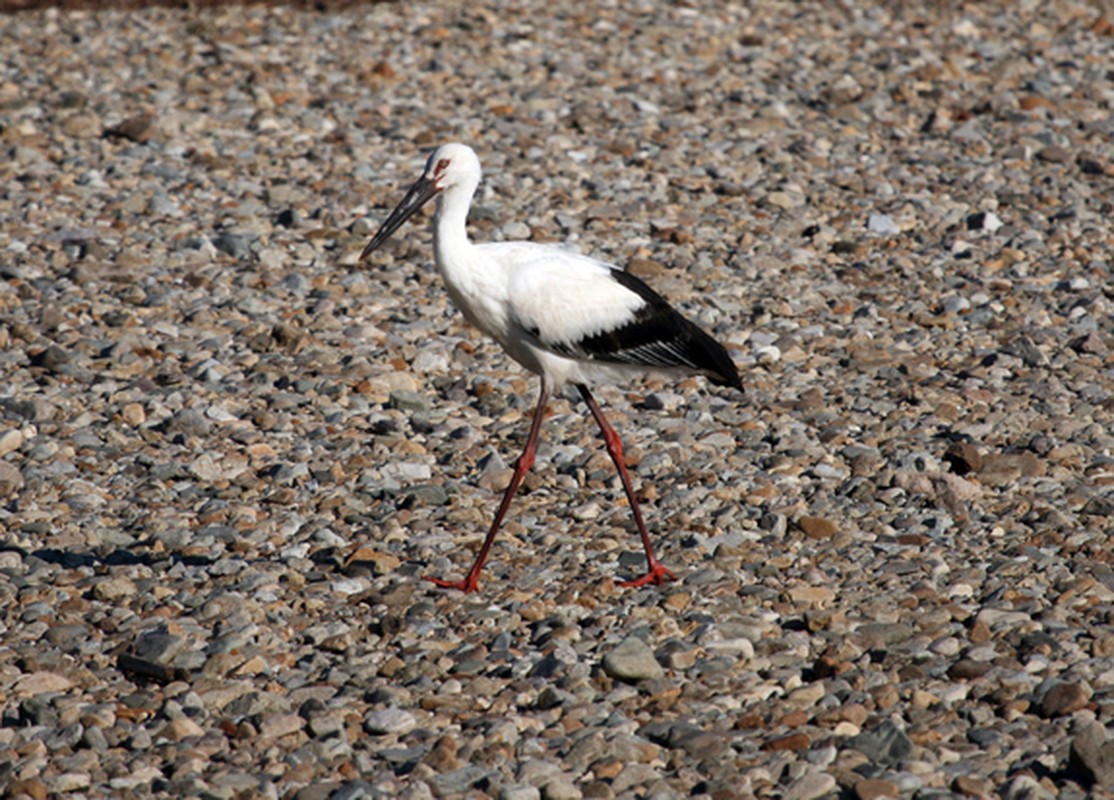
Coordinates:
<point>36,683</point>
<point>11,479</point>
<point>140,128</point>
<point>458,781</point>
<point>381,563</point>
<point>159,646</point>
<point>10,441</point>
<point>810,786</point>
<point>812,596</point>
<point>182,728</point>
<point>884,745</point>
<point>69,782</point>
<point>876,789</point>
<point>1027,350</point>
<point>1091,758</point>
<point>882,224</point>
<point>1055,154</point>
<point>963,458</point>
<point>983,221</point>
<point>646,268</point>
<point>632,660</point>
<point>189,422</point>
<point>519,791</point>
<point>408,401</point>
<point>561,787</point>
<point>971,786</point>
<point>1024,786</point>
<point>443,755</point>
<point>274,726</point>
<point>1065,698</point>
<point>792,742</point>
<point>232,244</point>
<point>52,358</point>
<point>82,126</point>
<point>785,200</point>
<point>817,527</point>
<point>389,720</point>
<point>698,743</point>
<point>967,669</point>
<point>113,590</point>
<point>133,414</point>
<point>29,787</point>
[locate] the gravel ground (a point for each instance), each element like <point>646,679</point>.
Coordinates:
<point>228,451</point>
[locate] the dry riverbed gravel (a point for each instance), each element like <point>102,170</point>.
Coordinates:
<point>228,451</point>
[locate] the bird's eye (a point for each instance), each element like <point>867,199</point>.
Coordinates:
<point>442,165</point>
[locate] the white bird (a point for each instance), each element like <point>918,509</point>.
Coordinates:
<point>564,316</point>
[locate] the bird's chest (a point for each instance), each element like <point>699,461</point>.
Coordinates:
<point>482,298</point>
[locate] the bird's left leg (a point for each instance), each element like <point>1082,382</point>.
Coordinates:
<point>472,581</point>
<point>656,573</point>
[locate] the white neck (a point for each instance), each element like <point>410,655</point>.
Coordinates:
<point>450,233</point>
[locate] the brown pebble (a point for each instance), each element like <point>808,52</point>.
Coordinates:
<point>443,755</point>
<point>973,787</point>
<point>31,787</point>
<point>1065,698</point>
<point>817,527</point>
<point>11,479</point>
<point>182,728</point>
<point>980,633</point>
<point>645,268</point>
<point>875,788</point>
<point>677,601</point>
<point>750,722</point>
<point>1054,153</point>
<point>1035,101</point>
<point>886,696</point>
<point>963,458</point>
<point>966,670</point>
<point>607,768</point>
<point>793,742</point>
<point>382,563</point>
<point>794,719</point>
<point>139,128</point>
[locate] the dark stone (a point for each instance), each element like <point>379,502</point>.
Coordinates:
<point>885,744</point>
<point>1091,757</point>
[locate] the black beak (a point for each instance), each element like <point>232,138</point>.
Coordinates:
<point>420,193</point>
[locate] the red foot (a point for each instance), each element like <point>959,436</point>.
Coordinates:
<point>657,576</point>
<point>468,585</point>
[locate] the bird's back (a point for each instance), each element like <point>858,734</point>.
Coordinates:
<point>583,309</point>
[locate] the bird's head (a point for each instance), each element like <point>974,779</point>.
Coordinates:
<point>451,166</point>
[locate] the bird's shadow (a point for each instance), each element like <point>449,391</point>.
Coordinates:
<point>120,557</point>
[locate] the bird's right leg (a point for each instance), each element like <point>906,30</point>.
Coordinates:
<point>655,572</point>
<point>472,580</point>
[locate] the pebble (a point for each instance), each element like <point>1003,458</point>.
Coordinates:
<point>875,789</point>
<point>810,786</point>
<point>229,451</point>
<point>1091,760</point>
<point>1065,698</point>
<point>11,479</point>
<point>882,224</point>
<point>885,744</point>
<point>632,660</point>
<point>518,791</point>
<point>389,720</point>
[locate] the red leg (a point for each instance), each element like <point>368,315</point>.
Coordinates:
<point>655,573</point>
<point>471,581</point>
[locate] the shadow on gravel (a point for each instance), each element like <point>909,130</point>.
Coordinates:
<point>117,558</point>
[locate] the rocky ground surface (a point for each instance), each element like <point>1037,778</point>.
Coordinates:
<point>228,451</point>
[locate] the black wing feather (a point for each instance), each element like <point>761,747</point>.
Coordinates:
<point>657,336</point>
